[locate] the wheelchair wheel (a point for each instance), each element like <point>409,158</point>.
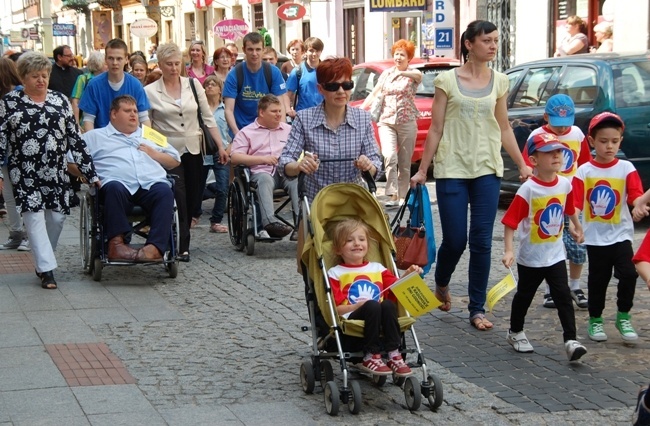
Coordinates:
<point>97,269</point>
<point>87,240</point>
<point>236,216</point>
<point>250,244</point>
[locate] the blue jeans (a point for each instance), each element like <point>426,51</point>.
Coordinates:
<point>454,195</point>
<point>219,189</point>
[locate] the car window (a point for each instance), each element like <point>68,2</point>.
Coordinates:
<point>356,79</point>
<point>533,90</point>
<point>579,83</point>
<point>364,83</point>
<point>632,84</point>
<point>513,77</point>
<point>429,74</point>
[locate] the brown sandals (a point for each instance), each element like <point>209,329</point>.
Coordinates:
<point>480,322</point>
<point>443,295</point>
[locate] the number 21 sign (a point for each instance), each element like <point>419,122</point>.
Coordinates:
<point>444,38</point>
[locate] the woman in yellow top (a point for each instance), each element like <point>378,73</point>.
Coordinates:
<point>469,125</point>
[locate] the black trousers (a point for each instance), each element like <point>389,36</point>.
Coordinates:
<point>188,192</point>
<point>529,281</point>
<point>378,317</point>
<point>602,259</point>
<point>157,201</point>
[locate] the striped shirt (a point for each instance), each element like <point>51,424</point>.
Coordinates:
<point>354,137</point>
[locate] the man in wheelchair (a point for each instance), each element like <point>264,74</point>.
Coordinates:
<point>132,170</point>
<point>259,146</point>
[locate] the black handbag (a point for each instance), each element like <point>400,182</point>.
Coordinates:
<point>208,145</point>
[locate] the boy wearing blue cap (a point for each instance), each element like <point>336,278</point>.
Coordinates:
<point>602,189</point>
<point>537,213</point>
<point>559,115</point>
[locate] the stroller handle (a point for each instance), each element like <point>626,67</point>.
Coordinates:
<point>370,181</point>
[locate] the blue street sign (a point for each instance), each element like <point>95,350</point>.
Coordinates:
<point>444,38</point>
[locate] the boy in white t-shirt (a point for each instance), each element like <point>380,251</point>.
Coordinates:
<point>559,113</point>
<point>602,187</point>
<point>537,213</point>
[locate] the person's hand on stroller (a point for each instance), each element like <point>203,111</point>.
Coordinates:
<point>413,268</point>
<point>364,164</point>
<point>309,163</point>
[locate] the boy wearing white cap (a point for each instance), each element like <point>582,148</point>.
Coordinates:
<point>602,189</point>
<point>560,116</point>
<point>537,213</point>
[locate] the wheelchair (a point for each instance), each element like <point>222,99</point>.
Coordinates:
<point>244,221</point>
<point>94,243</point>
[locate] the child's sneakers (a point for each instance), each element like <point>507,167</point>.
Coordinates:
<point>519,341</point>
<point>596,330</point>
<point>399,367</point>
<point>375,365</point>
<point>574,350</point>
<point>548,301</point>
<point>624,326</point>
<point>641,414</point>
<point>579,297</point>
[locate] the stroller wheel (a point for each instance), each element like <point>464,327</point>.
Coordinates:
<point>307,379</point>
<point>332,398</point>
<point>379,381</point>
<point>326,372</point>
<point>434,392</point>
<point>398,380</point>
<point>354,400</point>
<point>412,393</point>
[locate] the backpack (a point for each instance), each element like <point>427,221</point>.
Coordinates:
<point>298,76</point>
<point>239,71</point>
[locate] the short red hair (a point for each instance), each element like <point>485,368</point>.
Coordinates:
<point>218,52</point>
<point>405,45</point>
<point>332,69</point>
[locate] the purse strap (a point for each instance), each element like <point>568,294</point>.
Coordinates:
<point>397,220</point>
<point>198,105</point>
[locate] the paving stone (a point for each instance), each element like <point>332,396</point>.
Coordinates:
<point>35,405</point>
<point>126,419</point>
<point>27,368</point>
<point>112,399</point>
<point>16,331</point>
<point>63,326</point>
<point>200,416</point>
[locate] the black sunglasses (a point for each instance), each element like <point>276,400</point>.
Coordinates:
<point>333,86</point>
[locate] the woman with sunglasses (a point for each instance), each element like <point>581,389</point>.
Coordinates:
<point>198,68</point>
<point>222,62</point>
<point>331,131</point>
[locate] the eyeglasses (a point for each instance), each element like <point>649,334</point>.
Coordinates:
<point>333,86</point>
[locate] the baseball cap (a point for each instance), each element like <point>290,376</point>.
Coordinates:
<point>544,142</point>
<point>561,111</point>
<point>605,116</point>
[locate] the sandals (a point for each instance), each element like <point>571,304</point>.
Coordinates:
<point>47,280</point>
<point>443,295</point>
<point>195,221</point>
<point>218,228</point>
<point>480,322</point>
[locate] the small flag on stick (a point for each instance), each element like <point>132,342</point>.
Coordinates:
<point>502,288</point>
<point>414,294</point>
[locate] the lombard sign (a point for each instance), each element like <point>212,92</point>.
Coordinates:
<point>230,29</point>
<point>397,5</point>
<point>144,28</point>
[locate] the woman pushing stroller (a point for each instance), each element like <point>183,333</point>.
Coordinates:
<point>358,287</point>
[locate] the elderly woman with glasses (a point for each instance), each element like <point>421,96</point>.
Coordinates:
<point>174,114</point>
<point>222,62</point>
<point>330,131</point>
<point>198,68</point>
<point>38,129</point>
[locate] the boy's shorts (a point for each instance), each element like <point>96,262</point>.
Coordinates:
<point>576,253</point>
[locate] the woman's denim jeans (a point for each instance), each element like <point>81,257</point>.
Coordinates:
<point>220,190</point>
<point>454,195</point>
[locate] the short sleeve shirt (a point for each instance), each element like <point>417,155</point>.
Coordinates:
<point>470,146</point>
<point>399,98</point>
<point>308,95</point>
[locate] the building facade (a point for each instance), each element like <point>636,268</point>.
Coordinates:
<point>362,30</point>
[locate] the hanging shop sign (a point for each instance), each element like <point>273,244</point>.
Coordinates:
<point>144,27</point>
<point>230,29</point>
<point>61,30</point>
<point>203,3</point>
<point>397,5</point>
<point>291,11</point>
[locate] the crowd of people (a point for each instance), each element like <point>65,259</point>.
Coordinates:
<point>84,119</point>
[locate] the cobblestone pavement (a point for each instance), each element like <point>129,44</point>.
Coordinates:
<point>226,338</point>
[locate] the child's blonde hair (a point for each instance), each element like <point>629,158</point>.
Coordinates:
<point>344,228</point>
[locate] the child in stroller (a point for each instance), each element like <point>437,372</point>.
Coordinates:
<point>358,287</point>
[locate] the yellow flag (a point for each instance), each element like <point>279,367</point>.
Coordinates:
<point>154,136</point>
<point>414,294</point>
<point>504,287</point>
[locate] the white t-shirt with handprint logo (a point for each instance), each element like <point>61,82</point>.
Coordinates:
<point>537,213</point>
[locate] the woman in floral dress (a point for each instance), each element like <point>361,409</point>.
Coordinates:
<point>37,129</point>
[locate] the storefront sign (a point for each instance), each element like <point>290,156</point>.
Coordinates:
<point>230,29</point>
<point>439,29</point>
<point>62,30</point>
<point>144,27</point>
<point>17,36</point>
<point>398,5</point>
<point>291,11</point>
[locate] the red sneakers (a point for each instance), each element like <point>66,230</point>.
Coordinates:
<point>399,367</point>
<point>376,366</point>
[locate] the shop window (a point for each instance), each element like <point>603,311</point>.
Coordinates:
<point>258,16</point>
